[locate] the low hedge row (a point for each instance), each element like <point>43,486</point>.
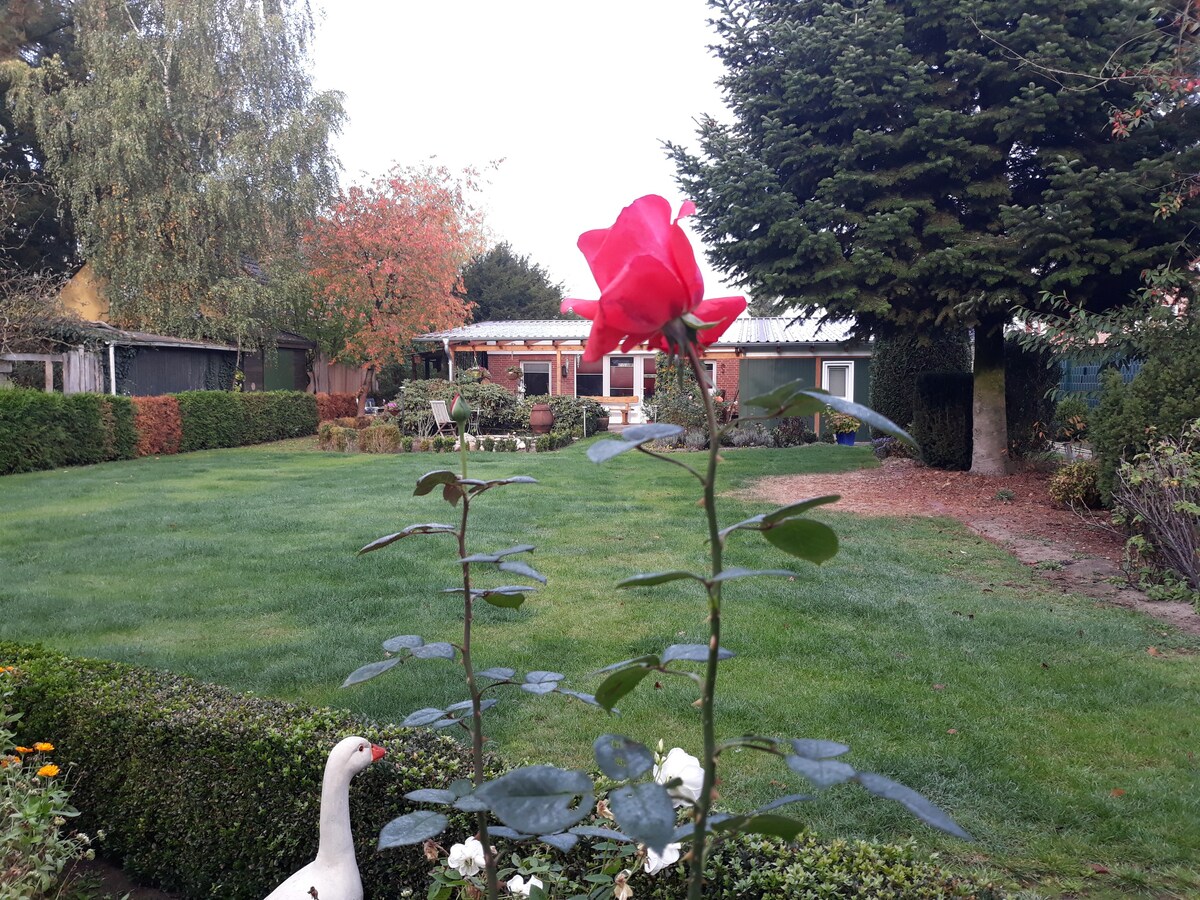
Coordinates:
<point>336,406</point>
<point>206,792</point>
<point>44,431</point>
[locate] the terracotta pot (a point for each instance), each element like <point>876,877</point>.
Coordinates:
<point>541,419</point>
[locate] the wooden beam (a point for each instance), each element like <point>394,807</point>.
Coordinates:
<point>32,357</point>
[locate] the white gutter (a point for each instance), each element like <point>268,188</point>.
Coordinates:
<point>112,369</point>
<point>449,360</point>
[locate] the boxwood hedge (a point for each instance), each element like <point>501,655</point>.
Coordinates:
<point>206,792</point>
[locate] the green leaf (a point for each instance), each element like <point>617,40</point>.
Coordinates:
<point>621,758</point>
<point>578,695</point>
<point>502,599</point>
<point>496,557</point>
<point>431,528</point>
<point>438,650</point>
<point>630,439</point>
<point>782,801</point>
<point>540,677</point>
<point>815,749</point>
<point>772,826</point>
<point>822,773</point>
<point>650,658</point>
<point>430,480</point>
<point>369,671</point>
<point>478,487</point>
<point>734,572</point>
<point>793,399</point>
<point>912,801</point>
<point>618,684</point>
<point>516,567</point>
<point>607,834</point>
<point>692,653</point>
<point>563,842</point>
<point>402,642</point>
<point>645,813</point>
<point>497,673</point>
<point>426,716</point>
<point>431,795</point>
<point>538,799</point>
<point>657,578</point>
<point>794,509</point>
<point>414,828</point>
<point>804,538</point>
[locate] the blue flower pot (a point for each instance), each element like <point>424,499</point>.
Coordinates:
<point>846,438</point>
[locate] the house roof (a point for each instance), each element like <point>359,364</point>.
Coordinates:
<point>108,333</point>
<point>745,331</point>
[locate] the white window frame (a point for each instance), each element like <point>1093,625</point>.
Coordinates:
<point>848,365</point>
<point>530,367</point>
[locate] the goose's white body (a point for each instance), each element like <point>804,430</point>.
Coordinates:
<point>333,875</point>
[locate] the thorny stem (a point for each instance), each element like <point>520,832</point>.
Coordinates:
<point>481,822</point>
<point>705,801</point>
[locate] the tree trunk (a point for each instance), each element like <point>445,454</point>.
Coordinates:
<point>989,453</point>
<point>365,385</point>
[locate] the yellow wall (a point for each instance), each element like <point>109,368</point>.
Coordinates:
<point>84,296</point>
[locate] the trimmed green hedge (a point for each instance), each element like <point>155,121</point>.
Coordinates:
<point>897,362</point>
<point>44,431</point>
<point>207,792</point>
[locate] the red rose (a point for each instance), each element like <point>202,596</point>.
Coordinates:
<point>648,278</point>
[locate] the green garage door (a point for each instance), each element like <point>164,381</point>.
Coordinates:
<point>757,376</point>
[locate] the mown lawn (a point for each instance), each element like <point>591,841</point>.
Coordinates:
<point>1038,720</point>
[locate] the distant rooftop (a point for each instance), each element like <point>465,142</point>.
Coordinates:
<point>744,331</point>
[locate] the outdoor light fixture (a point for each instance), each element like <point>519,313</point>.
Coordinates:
<point>566,369</point>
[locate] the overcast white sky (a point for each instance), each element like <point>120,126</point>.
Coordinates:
<point>574,97</point>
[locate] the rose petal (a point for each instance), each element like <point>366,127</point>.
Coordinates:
<point>723,311</point>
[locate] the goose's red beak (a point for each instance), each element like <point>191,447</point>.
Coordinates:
<point>377,753</point>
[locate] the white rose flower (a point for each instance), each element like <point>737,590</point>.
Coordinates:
<point>656,863</point>
<point>467,858</point>
<point>682,765</point>
<point>520,887</point>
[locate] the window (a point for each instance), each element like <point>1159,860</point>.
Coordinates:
<point>589,378</point>
<point>649,377</point>
<point>620,376</point>
<point>536,376</point>
<point>710,372</point>
<point>838,379</point>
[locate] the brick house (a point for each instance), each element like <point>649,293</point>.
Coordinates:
<point>545,356</point>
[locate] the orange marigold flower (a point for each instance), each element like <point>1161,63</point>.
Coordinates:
<point>23,749</point>
<point>43,746</point>
<point>6,761</point>
<point>48,771</point>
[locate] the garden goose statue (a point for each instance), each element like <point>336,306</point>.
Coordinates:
<point>333,875</point>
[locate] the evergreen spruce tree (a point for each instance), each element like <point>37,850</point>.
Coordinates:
<point>920,165</point>
<point>504,286</point>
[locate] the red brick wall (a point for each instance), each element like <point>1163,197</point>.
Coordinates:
<point>498,363</point>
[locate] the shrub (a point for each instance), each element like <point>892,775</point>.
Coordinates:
<point>158,423</point>
<point>336,437</point>
<point>334,406</point>
<point>753,868</point>
<point>695,439</point>
<point>1162,395</point>
<point>792,432</point>
<point>277,415</point>
<point>756,435</point>
<point>408,445</point>
<point>210,420</point>
<point>1157,497</point>
<point>211,793</point>
<point>680,405</point>
<point>379,439</point>
<point>898,361</point>
<point>83,421</point>
<point>942,419</point>
<point>120,428</point>
<point>497,407</point>
<point>32,433</point>
<point>890,447</point>
<point>1076,485</point>
<point>1070,419</point>
<point>556,439</point>
<point>1031,376</point>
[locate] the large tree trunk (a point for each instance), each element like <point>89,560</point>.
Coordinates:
<point>364,387</point>
<point>989,453</point>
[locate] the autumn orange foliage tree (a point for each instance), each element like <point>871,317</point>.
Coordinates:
<point>385,264</point>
